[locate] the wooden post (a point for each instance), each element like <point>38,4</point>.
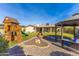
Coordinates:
<point>61,32</point>
<point>42,29</point>
<point>50,29</point>
<point>55,33</point>
<point>74,31</point>
<point>62,35</point>
<point>75,36</point>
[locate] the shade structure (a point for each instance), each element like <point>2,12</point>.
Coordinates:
<point>72,21</point>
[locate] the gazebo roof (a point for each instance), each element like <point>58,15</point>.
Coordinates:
<point>72,21</point>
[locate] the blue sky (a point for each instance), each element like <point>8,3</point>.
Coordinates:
<point>38,13</point>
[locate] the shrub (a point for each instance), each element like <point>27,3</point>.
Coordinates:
<point>24,33</point>
<point>3,45</point>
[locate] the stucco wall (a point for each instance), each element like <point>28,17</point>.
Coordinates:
<point>29,29</point>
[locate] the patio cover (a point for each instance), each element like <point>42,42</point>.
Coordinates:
<point>72,21</point>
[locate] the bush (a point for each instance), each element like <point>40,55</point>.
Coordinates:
<point>3,45</point>
<point>30,35</point>
<point>24,33</point>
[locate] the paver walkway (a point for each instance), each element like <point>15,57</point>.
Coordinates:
<point>43,49</point>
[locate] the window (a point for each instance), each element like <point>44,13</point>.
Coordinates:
<point>14,33</point>
<point>8,27</point>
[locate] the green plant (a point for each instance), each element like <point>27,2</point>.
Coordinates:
<point>29,36</point>
<point>24,33</point>
<point>12,43</point>
<point>3,45</point>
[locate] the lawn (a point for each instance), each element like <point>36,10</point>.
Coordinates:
<point>28,36</point>
<point>58,34</point>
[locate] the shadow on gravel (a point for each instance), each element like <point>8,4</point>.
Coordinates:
<point>29,55</point>
<point>52,38</point>
<point>16,51</point>
<point>65,48</point>
<point>58,53</point>
<point>58,43</point>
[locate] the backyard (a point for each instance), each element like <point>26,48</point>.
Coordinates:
<point>27,36</point>
<point>33,34</point>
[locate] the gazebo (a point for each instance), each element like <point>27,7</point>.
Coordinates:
<point>72,21</point>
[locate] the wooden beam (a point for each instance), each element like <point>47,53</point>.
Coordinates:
<point>61,32</point>
<point>74,31</point>
<point>42,29</point>
<point>55,33</point>
<point>50,29</point>
<point>62,42</point>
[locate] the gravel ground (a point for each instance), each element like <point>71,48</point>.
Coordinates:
<point>32,42</point>
<point>45,49</point>
<point>50,50</point>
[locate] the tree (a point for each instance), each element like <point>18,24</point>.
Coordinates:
<point>47,23</point>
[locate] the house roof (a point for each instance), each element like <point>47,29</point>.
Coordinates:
<point>39,26</point>
<point>46,25</point>
<point>27,26</point>
<point>72,21</point>
<point>30,25</point>
<point>10,19</point>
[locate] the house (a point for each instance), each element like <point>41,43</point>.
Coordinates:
<point>38,28</point>
<point>12,29</point>
<point>29,28</point>
<point>45,28</point>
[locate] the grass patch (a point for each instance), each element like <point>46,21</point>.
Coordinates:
<point>3,45</point>
<point>12,43</point>
<point>29,36</point>
<point>58,34</point>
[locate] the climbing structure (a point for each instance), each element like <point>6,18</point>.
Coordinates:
<point>12,29</point>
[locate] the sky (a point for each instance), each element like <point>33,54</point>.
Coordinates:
<point>40,13</point>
